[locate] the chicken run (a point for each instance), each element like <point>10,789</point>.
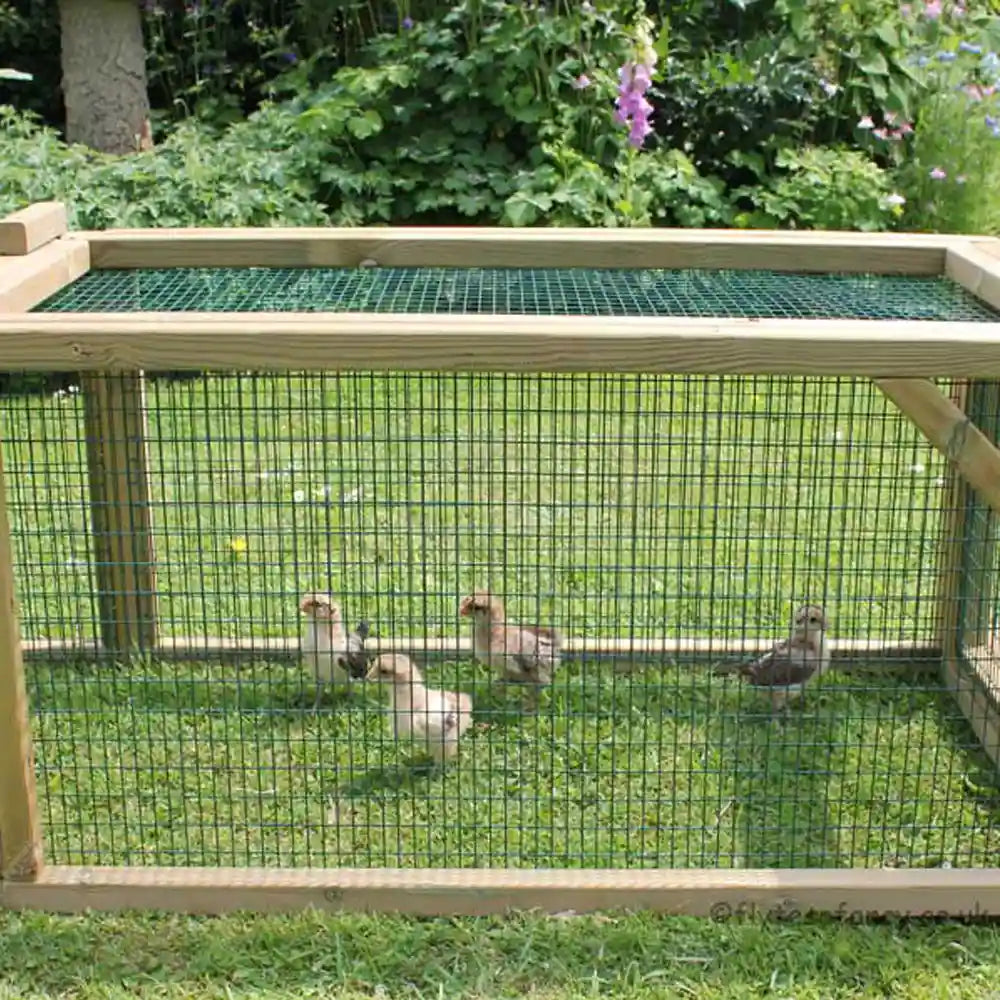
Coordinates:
<point>449,570</point>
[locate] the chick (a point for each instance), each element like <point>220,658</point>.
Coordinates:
<point>793,663</point>
<point>428,717</point>
<point>523,652</point>
<point>324,643</point>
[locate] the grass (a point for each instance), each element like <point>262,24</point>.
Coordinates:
<point>630,957</point>
<point>613,506</point>
<point>664,767</point>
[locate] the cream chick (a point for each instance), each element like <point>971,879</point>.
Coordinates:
<point>523,652</point>
<point>435,720</point>
<point>324,642</point>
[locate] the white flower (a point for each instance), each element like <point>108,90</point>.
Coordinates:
<point>299,496</point>
<point>354,495</point>
<point>866,122</point>
<point>917,468</point>
<point>828,88</point>
<point>894,199</point>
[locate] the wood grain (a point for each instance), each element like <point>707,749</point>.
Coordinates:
<point>817,252</point>
<point>852,894</point>
<point>120,509</point>
<point>977,269</point>
<point>351,341</point>
<point>26,281</point>
<point>20,834</point>
<point>915,654</point>
<point>32,227</point>
<point>951,432</point>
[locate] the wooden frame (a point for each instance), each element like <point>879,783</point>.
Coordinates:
<point>120,504</point>
<point>900,357</point>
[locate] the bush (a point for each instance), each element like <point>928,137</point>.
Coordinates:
<point>820,188</point>
<point>947,160</point>
<point>247,175</point>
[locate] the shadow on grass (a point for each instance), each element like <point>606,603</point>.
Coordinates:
<point>400,777</point>
<point>874,768</point>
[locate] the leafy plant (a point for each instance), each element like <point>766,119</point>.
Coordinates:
<point>819,188</point>
<point>195,178</point>
<point>738,98</point>
<point>947,160</point>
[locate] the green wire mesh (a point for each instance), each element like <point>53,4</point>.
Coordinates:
<point>522,291</point>
<point>683,510</point>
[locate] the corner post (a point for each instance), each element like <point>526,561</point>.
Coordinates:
<point>20,834</point>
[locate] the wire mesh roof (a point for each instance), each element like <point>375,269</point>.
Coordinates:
<point>523,291</point>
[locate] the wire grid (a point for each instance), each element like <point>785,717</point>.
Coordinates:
<point>531,291</point>
<point>619,506</point>
<point>978,622</point>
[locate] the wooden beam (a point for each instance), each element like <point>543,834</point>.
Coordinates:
<point>852,894</point>
<point>973,684</point>
<point>32,227</point>
<point>818,252</point>
<point>352,341</point>
<point>20,835</point>
<point>846,651</point>
<point>977,269</point>
<point>949,430</point>
<point>980,530</point>
<point>26,281</point>
<point>120,506</point>
<point>954,527</point>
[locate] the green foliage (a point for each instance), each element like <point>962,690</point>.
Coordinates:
<point>742,97</point>
<point>858,47</point>
<point>948,165</point>
<point>196,178</point>
<point>820,188</point>
<point>662,187</point>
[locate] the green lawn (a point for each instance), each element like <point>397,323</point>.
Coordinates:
<point>613,506</point>
<point>637,957</point>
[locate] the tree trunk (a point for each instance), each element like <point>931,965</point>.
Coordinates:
<point>104,74</point>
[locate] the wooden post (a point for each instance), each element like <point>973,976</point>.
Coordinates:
<point>115,421</point>
<point>954,527</point>
<point>20,837</point>
<point>965,584</point>
<point>979,560</point>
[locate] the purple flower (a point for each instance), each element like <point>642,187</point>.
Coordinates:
<point>289,57</point>
<point>932,10</point>
<point>947,57</point>
<point>991,122</point>
<point>631,106</point>
<point>581,82</point>
<point>969,47</point>
<point>407,23</point>
<point>937,174</point>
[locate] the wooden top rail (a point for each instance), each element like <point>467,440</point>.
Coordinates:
<point>352,341</point>
<point>475,246</point>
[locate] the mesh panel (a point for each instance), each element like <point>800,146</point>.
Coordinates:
<point>542,292</point>
<point>691,514</point>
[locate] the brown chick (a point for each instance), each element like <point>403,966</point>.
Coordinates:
<point>432,719</point>
<point>785,671</point>
<point>523,652</point>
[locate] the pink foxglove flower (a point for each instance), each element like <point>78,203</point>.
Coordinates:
<point>634,79</point>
